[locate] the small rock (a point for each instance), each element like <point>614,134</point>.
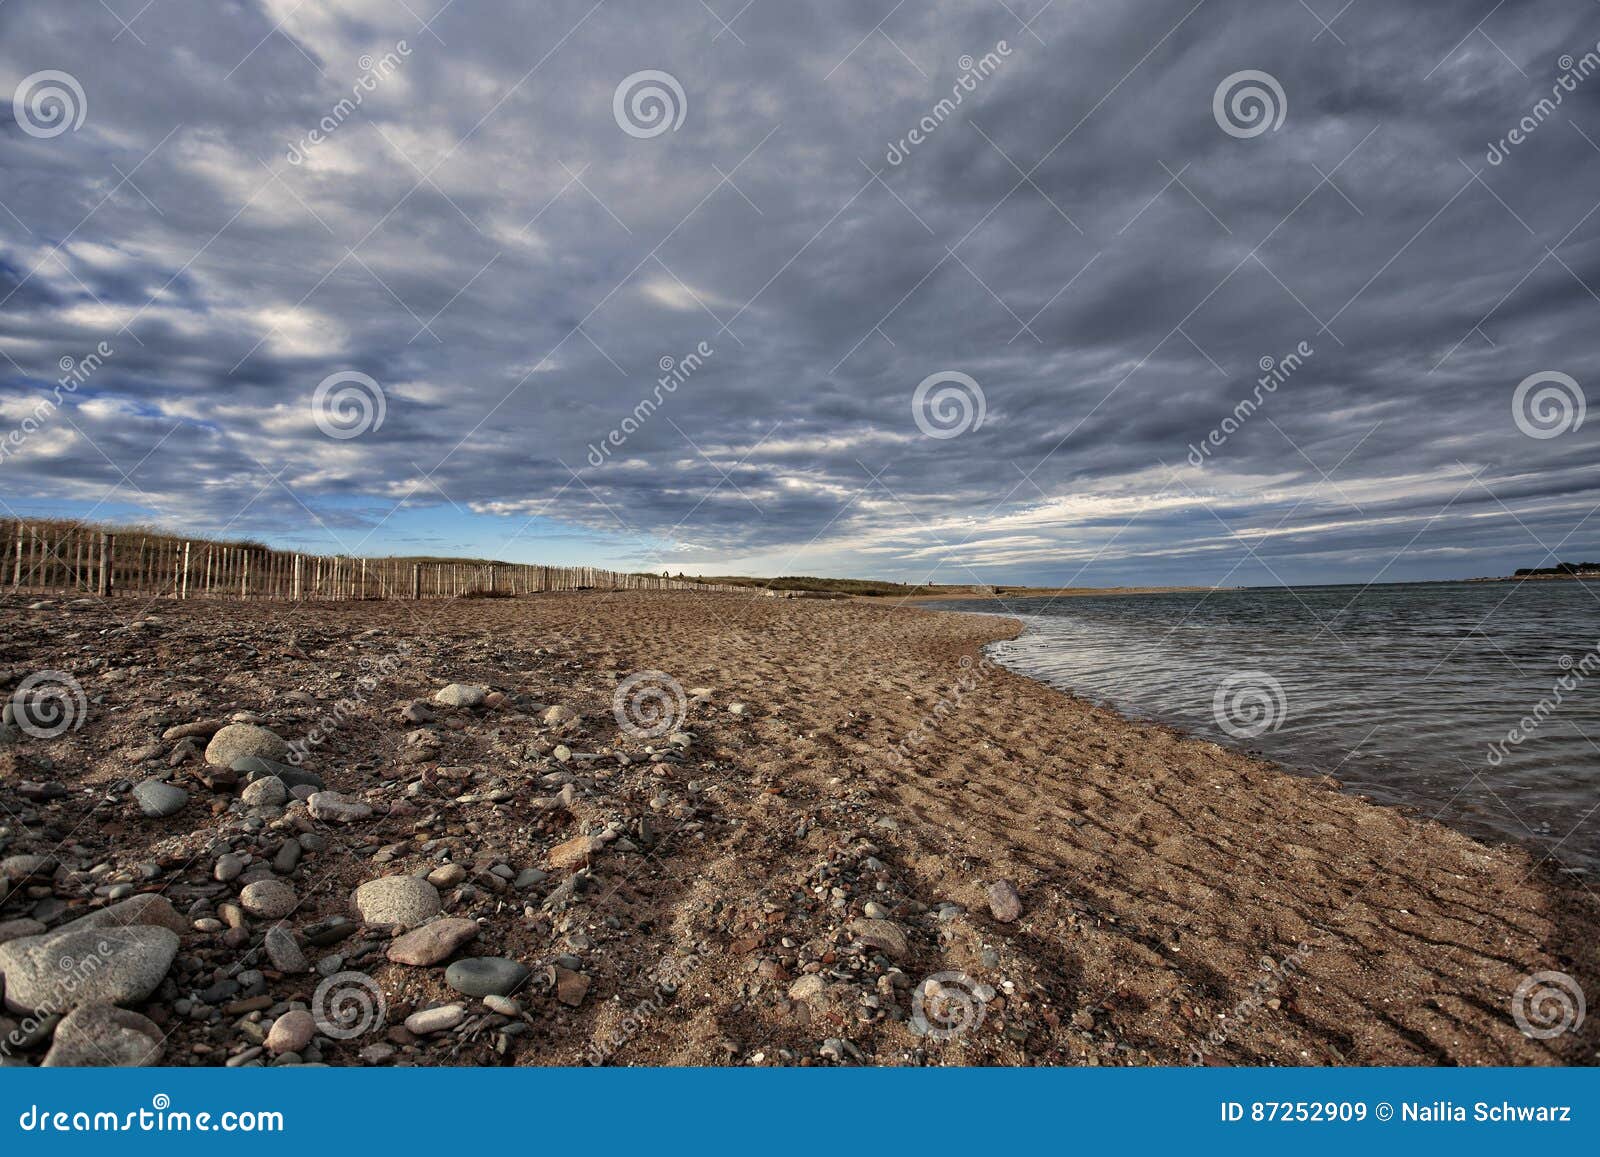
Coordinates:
<point>269,791</point>
<point>487,976</point>
<point>432,942</point>
<point>158,800</point>
<point>571,986</point>
<point>461,695</point>
<point>403,900</point>
<point>238,740</point>
<point>253,767</point>
<point>1004,902</point>
<point>573,853</point>
<point>884,935</point>
<point>284,952</point>
<point>20,868</point>
<point>335,808</point>
<point>292,1032</point>
<point>268,899</point>
<point>504,1005</point>
<point>227,868</point>
<point>432,1020</point>
<point>447,876</point>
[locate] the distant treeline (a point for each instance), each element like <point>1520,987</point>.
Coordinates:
<point>836,586</point>
<point>1561,568</point>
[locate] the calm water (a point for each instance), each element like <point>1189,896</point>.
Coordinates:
<point>1399,691</point>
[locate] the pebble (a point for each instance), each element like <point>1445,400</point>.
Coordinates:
<point>403,900</point>
<point>104,1036</point>
<point>1004,902</point>
<point>335,808</point>
<point>447,875</point>
<point>504,1005</point>
<point>284,953</point>
<point>228,867</point>
<point>571,986</point>
<point>291,1032</point>
<point>558,715</point>
<point>157,800</point>
<point>573,853</point>
<point>884,935</point>
<point>461,695</point>
<point>238,740</point>
<point>486,976</point>
<point>268,899</point>
<point>432,943</point>
<point>20,868</point>
<point>253,767</point>
<point>269,791</point>
<point>432,1020</point>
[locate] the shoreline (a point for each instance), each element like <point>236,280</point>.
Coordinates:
<point>1481,832</point>
<point>1181,902</point>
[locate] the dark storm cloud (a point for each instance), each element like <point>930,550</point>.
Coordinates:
<point>1080,236</point>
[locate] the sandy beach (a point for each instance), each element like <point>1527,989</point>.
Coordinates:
<point>773,883</point>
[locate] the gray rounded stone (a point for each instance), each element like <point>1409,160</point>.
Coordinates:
<point>461,695</point>
<point>104,1036</point>
<point>238,740</point>
<point>268,899</point>
<point>86,966</point>
<point>486,976</point>
<point>268,791</point>
<point>159,800</point>
<point>284,953</point>
<point>403,900</point>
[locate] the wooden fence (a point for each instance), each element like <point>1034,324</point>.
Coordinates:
<point>56,557</point>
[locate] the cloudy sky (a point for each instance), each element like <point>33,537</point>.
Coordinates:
<point>480,220</point>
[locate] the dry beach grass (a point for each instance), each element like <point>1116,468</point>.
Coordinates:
<point>773,887</point>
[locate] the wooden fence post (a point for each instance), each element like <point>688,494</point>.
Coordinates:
<point>107,547</point>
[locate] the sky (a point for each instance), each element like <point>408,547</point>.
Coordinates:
<point>1078,292</point>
